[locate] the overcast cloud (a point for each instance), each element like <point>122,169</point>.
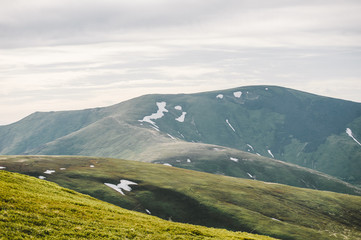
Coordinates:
<point>65,54</point>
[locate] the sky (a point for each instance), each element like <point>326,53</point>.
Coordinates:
<point>67,55</point>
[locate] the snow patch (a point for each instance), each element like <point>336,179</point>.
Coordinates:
<point>123,185</point>
<point>2,167</point>
<point>171,136</point>
<point>188,160</point>
<point>270,153</point>
<point>182,117</point>
<point>233,159</point>
<point>167,164</point>
<point>220,96</point>
<point>114,187</point>
<point>157,115</point>
<point>237,94</point>
<point>148,211</point>
<point>218,149</point>
<point>155,128</point>
<point>269,183</point>
<point>349,132</point>
<point>258,154</point>
<point>266,89</point>
<point>230,125</point>
<point>91,166</point>
<point>49,171</point>
<point>41,177</point>
<point>250,147</point>
<point>179,108</point>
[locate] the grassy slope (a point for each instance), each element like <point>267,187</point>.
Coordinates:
<point>217,160</point>
<point>35,209</point>
<point>298,127</point>
<point>113,137</point>
<point>39,128</point>
<point>211,200</point>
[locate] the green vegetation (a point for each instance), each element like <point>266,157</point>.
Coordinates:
<point>35,209</point>
<point>217,160</point>
<point>297,127</point>
<point>205,199</point>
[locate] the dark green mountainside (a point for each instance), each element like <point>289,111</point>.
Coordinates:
<point>171,193</point>
<point>308,130</point>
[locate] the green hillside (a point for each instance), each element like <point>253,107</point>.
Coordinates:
<point>35,209</point>
<point>231,162</point>
<point>285,124</point>
<point>204,199</point>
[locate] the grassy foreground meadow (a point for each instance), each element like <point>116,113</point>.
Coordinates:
<point>36,209</point>
<point>198,198</point>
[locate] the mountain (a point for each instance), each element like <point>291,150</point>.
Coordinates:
<point>181,195</point>
<point>37,209</point>
<point>316,132</point>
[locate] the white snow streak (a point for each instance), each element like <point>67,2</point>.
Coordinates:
<point>155,128</point>
<point>179,108</point>
<point>167,164</point>
<point>237,94</point>
<point>114,187</point>
<point>270,153</point>
<point>230,125</point>
<point>2,167</point>
<point>233,159</point>
<point>220,96</point>
<point>157,115</point>
<point>171,136</point>
<point>182,117</point>
<point>250,147</point>
<point>91,166</point>
<point>41,177</point>
<point>250,175</point>
<point>123,185</point>
<point>349,132</point>
<point>63,168</point>
<point>49,171</point>
<point>148,211</point>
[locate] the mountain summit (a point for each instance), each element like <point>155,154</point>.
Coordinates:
<point>313,131</point>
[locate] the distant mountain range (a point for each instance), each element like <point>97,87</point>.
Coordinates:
<point>241,132</point>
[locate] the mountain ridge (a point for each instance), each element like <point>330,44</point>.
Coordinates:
<point>286,124</point>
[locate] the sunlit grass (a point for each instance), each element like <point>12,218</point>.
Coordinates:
<point>204,199</point>
<point>35,209</point>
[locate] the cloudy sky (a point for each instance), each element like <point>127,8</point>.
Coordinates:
<point>66,54</point>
